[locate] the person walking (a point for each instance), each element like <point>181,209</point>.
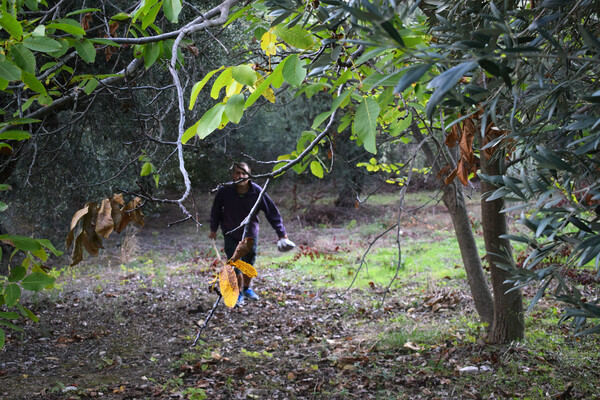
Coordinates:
<point>232,204</point>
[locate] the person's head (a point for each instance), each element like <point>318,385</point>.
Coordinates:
<point>240,170</point>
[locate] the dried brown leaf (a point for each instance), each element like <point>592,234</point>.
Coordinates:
<point>452,137</point>
<point>104,223</point>
<point>242,248</point>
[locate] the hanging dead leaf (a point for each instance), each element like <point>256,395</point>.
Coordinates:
<point>229,286</point>
<point>450,178</point>
<point>247,269</point>
<point>112,29</point>
<point>443,172</point>
<point>466,140</point>
<point>94,221</point>
<point>78,215</point>
<point>104,223</point>
<point>452,137</point>
<point>85,21</point>
<point>462,172</point>
<point>129,213</point>
<point>242,248</point>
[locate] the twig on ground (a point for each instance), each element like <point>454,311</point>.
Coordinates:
<point>212,311</point>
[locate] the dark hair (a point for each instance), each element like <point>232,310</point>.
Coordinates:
<point>241,165</point>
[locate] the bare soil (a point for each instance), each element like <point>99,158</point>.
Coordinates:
<point>121,327</point>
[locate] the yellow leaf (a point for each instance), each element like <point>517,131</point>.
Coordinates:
<point>229,286</point>
<point>268,42</point>
<point>233,88</point>
<point>247,269</point>
<point>269,95</point>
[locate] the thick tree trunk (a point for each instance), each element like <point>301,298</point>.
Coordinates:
<point>508,307</point>
<point>454,200</point>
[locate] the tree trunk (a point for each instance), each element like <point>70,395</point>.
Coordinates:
<point>455,203</point>
<point>508,307</point>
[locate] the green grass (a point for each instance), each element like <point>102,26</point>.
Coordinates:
<point>438,258</point>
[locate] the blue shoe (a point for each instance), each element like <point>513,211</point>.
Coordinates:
<point>249,294</point>
<point>240,301</point>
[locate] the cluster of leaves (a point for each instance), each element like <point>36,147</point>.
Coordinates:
<point>228,283</point>
<point>98,220</point>
<point>31,275</point>
<point>531,72</point>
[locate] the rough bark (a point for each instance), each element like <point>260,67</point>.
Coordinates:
<point>454,200</point>
<point>508,322</point>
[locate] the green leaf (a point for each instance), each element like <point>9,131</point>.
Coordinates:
<point>9,71</point>
<point>276,74</point>
<point>3,205</point>
<point>296,36</point>
<point>150,17</point>
<point>11,25</point>
<point>23,57</point>
<point>15,134</point>
<point>37,281</point>
<point>210,121</point>
<point>172,8</point>
<point>86,50</point>
<point>26,312</point>
<point>234,108</point>
<point>317,169</point>
<point>412,75</point>
<point>47,244</point>
<point>199,85</point>
<point>244,74</point>
<point>224,79</point>
<point>365,123</point>
<point>151,53</point>
<point>320,118</point>
<point>11,325</point>
<point>84,11</point>
<point>12,294</point>
<point>67,26</point>
<point>32,82</point>
<point>147,169</point>
<point>9,315</point>
<point>2,338</point>
<point>294,71</point>
<point>17,273</point>
<point>90,86</point>
<point>23,243</point>
<point>190,132</point>
<point>42,43</point>
<point>444,82</point>
<point>388,27</point>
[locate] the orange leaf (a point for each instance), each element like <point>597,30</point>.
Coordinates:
<point>247,269</point>
<point>450,178</point>
<point>452,137</point>
<point>229,286</point>
<point>462,171</point>
<point>466,140</point>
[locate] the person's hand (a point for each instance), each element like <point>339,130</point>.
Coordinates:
<point>285,244</point>
<point>212,235</point>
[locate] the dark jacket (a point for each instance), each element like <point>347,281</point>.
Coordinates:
<point>230,208</point>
